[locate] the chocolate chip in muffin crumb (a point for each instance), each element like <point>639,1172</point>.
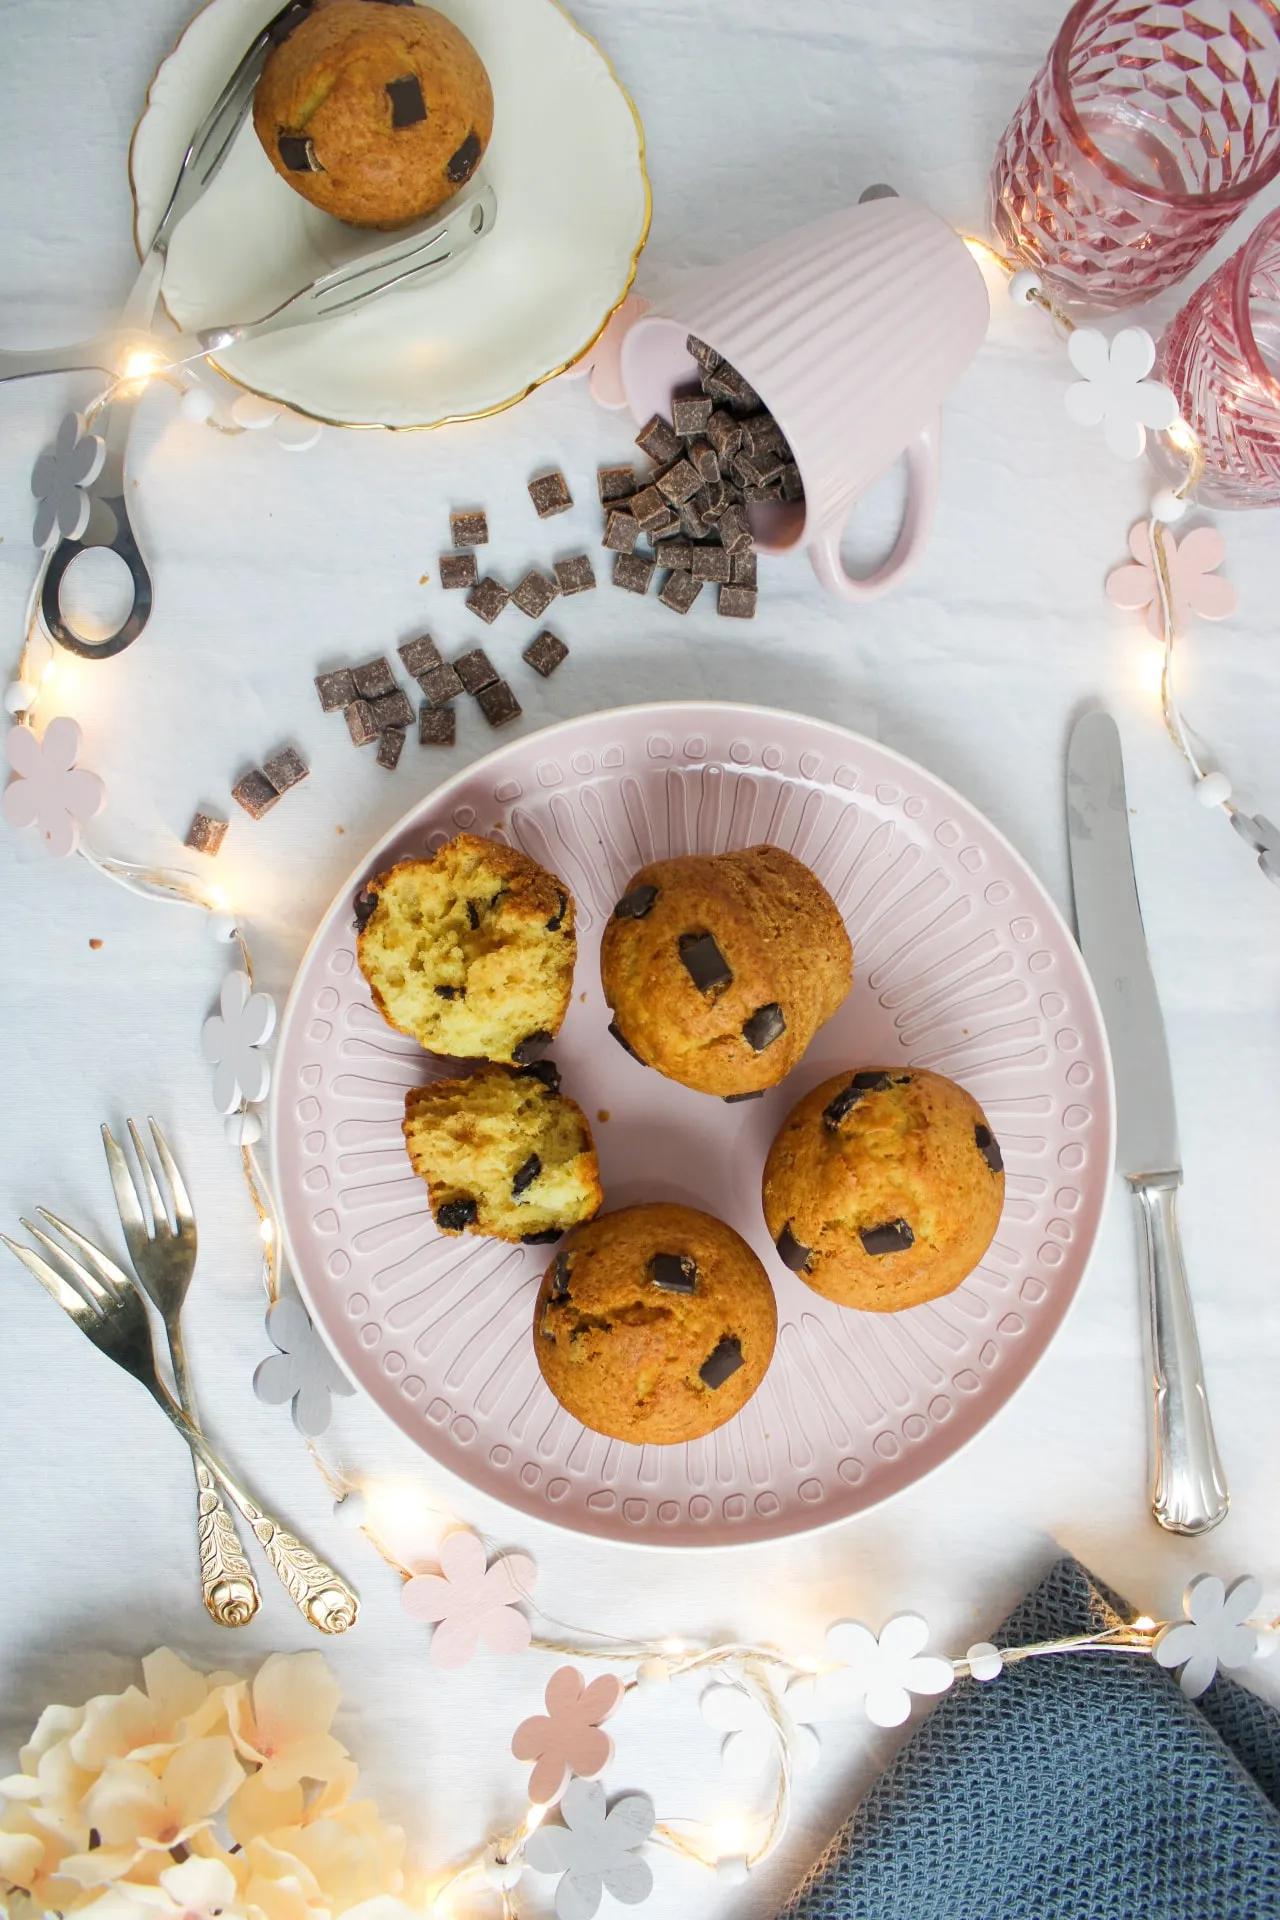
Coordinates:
<point>848,1097</point>
<point>465,160</point>
<point>543,1239</point>
<point>674,1273</point>
<point>363,906</point>
<point>989,1147</point>
<point>766,1025</point>
<point>454,1215</point>
<point>560,1277</point>
<point>556,921</point>
<point>525,1175</point>
<point>722,1362</point>
<point>532,1047</point>
<point>545,1070</point>
<point>892,1236</point>
<point>637,904</point>
<point>407,104</point>
<point>622,1040</point>
<point>703,961</point>
<point>791,1253</point>
<point>298,152</point>
<point>732,1099</point>
<point>473,915</point>
<point>450,993</point>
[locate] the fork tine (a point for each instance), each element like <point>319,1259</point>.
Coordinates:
<point>129,1207</point>
<point>89,1288</point>
<point>102,1270</point>
<point>178,1195</point>
<point>54,1285</point>
<point>159,1218</point>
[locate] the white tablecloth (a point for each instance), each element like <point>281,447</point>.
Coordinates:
<point>757,117</point>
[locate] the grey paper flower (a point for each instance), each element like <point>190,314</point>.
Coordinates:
<point>59,478</point>
<point>594,1851</point>
<point>303,1371</point>
<point>1213,1634</point>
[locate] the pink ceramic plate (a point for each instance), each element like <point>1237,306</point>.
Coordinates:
<point>962,964</point>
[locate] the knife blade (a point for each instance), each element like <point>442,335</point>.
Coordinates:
<point>1189,1489</point>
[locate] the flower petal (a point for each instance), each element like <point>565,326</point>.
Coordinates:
<point>61,834</point>
<point>886,1704</point>
<point>849,1642</point>
<point>1242,1598</point>
<point>289,1326</point>
<point>927,1673</point>
<point>253,1074</point>
<point>1198,1673</point>
<point>548,1848</point>
<point>806,1749</point>
<point>1131,587</point>
<point>1211,597</point>
<point>21,807</point>
<point>427,1597</point>
<point>1088,353</point>
<point>455,1642</point>
<point>462,1557</point>
<point>1199,551</point>
<point>565,1691</point>
<point>905,1635</point>
<point>548,1778</point>
<point>578,1895</point>
<point>511,1578</point>
<point>1085,403</point>
<point>312,1407</point>
<point>257,1807</point>
<point>1125,435</point>
<point>83,793</point>
<point>629,1821</point>
<point>744,1755</point>
<point>44,526</point>
<point>589,1750</point>
<point>1202,1601</point>
<point>85,461</point>
<point>1154,404</point>
<point>1236,1646</point>
<point>504,1630</point>
<point>631,1883</point>
<point>532,1737</point>
<point>273,1380</point>
<point>44,474</point>
<point>22,750</point>
<point>1176,1643</point>
<point>61,743</point>
<point>202,1885</point>
<point>294,1695</point>
<point>727,1708</point>
<point>584,1807</point>
<point>1132,354</point>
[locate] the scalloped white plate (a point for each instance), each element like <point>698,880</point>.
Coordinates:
<point>962,964</point>
<point>566,162</point>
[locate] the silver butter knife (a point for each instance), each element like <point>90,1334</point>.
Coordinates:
<point>1189,1489</point>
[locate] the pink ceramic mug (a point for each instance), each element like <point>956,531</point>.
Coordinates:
<point>851,331</point>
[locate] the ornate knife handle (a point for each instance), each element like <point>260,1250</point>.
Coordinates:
<point>321,1596</point>
<point>1189,1488</point>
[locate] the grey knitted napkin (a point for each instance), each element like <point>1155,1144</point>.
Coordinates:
<point>1068,1789</point>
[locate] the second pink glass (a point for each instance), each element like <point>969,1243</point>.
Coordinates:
<point>1140,138</point>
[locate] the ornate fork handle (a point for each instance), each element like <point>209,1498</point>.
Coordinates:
<point>320,1594</point>
<point>231,1595</point>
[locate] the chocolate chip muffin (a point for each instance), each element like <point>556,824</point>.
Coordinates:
<point>884,1187</point>
<point>720,968</point>
<point>655,1324</point>
<point>470,950</point>
<point>378,113</point>
<point>503,1153</point>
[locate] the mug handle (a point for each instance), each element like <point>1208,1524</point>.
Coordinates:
<point>921,455</point>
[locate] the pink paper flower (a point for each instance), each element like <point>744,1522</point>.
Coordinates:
<point>1196,589</point>
<point>48,791</point>
<point>567,1738</point>
<point>602,363</point>
<point>469,1602</point>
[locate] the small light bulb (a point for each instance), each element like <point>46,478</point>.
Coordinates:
<point>1151,669</point>
<point>1144,1623</point>
<point>672,1647</point>
<point>266,1232</point>
<point>47,672</point>
<point>1183,437</point>
<point>534,1819</point>
<point>141,364</point>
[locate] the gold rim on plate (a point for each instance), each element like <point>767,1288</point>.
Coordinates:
<point>447,419</point>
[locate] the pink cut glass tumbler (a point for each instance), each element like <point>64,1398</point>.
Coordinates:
<point>1221,356</point>
<point>1139,141</point>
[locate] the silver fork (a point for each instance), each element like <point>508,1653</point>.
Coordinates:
<point>164,1259</point>
<point>108,1309</point>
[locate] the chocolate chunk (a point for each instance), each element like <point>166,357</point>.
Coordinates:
<point>621,531</point>
<point>407,104</point>
<point>690,413</point>
<point>707,357</point>
<point>336,689</point>
<point>710,563</point>
<point>703,961</point>
<point>453,1215</point>
<point>737,603</point>
<point>298,153</point>
<point>762,434</point>
<point>420,655</point>
<point>692,522</point>
<point>711,500</point>
<point>534,593</point>
<point>791,1253</point>
<point>678,482</point>
<point>285,769</point>
<point>545,1070</point>
<point>632,572</point>
<point>390,747</point>
<point>465,161</point>
<point>705,461</point>
<point>487,599</point>
<point>755,469</point>
<point>440,685</point>
<point>766,1025</point>
<point>732,1099</point>
<point>556,921</point>
<point>735,534</point>
<point>622,1040</point>
<point>677,554</point>
<point>374,678</point>
<point>498,704</point>
<point>843,1103</point>
<point>469,529</point>
<point>989,1147</point>
<point>449,993</point>
<point>532,1047</point>
<point>542,1239</point>
<point>742,568</point>
<point>473,913</point>
<point>525,1175</point>
<point>892,1236</point>
<point>664,529</point>
<point>792,484</point>
<point>475,670</point>
<point>648,508</point>
<point>615,483</point>
<point>658,440</point>
<point>550,494</point>
<point>392,710</point>
<point>437,726</point>
<point>206,833</point>
<point>360,723</point>
<point>362,908</point>
<point>560,1277</point>
<point>679,591</point>
<point>576,574</point>
<point>545,653</point>
<point>636,905</point>
<point>722,1362</point>
<point>255,793</point>
<point>458,570</point>
<point>725,435</point>
<point>673,1272</point>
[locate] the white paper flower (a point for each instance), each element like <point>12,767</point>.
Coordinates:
<point>231,1040</point>
<point>1213,1633</point>
<point>878,1675</point>
<point>49,791</point>
<point>751,1740</point>
<point>1114,390</point>
<point>594,1851</point>
<point>59,478</point>
<point>303,1370</point>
